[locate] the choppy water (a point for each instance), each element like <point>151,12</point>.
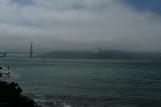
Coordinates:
<point>89,83</point>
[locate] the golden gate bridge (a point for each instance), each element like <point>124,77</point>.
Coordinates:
<point>30,53</point>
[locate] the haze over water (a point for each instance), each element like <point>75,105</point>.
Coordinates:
<point>81,25</point>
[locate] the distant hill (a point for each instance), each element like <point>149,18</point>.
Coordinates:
<point>104,54</point>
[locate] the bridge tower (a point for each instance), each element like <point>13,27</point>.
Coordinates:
<point>31,50</point>
<point>5,54</point>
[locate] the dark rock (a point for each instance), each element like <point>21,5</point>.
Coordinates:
<point>10,96</point>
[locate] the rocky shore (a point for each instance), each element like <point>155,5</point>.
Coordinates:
<point>11,96</point>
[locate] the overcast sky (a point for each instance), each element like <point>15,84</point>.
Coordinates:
<point>133,25</point>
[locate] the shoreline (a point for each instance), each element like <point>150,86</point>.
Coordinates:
<point>11,96</point>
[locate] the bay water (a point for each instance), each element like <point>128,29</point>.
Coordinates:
<point>88,82</point>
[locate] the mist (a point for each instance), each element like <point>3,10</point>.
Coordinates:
<point>77,25</point>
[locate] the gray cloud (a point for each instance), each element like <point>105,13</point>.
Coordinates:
<point>78,24</point>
